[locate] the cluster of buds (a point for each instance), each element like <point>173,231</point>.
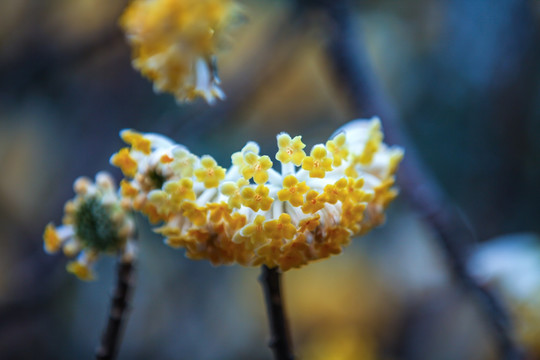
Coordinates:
<point>95,222</point>
<point>252,214</point>
<point>175,41</point>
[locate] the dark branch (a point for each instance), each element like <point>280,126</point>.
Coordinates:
<point>280,341</point>
<point>353,73</point>
<point>112,336</point>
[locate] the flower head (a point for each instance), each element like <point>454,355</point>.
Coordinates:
<point>94,222</point>
<point>174,42</point>
<point>309,211</point>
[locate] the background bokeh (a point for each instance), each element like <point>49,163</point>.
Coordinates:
<point>464,76</point>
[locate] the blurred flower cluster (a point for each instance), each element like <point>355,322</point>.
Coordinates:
<point>511,264</point>
<point>94,222</point>
<point>175,42</point>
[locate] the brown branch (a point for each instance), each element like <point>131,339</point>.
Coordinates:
<point>280,341</point>
<point>112,336</point>
<point>364,92</point>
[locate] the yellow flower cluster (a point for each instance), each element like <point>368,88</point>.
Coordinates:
<point>174,43</point>
<point>252,214</point>
<point>94,222</point>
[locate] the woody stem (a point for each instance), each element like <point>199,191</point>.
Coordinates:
<point>112,335</point>
<point>280,341</point>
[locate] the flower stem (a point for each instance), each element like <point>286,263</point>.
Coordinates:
<point>280,341</point>
<point>112,335</point>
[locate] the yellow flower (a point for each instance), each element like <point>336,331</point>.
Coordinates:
<point>255,231</point>
<point>219,212</point>
<point>81,270</point>
<point>317,163</point>
<point>127,189</point>
<point>183,162</point>
<point>256,167</point>
<point>180,190</point>
<point>238,158</point>
<point>338,148</point>
<point>294,253</point>
<point>232,190</point>
<point>256,199</point>
<point>313,203</point>
<point>309,224</point>
<point>209,173</point>
<point>174,42</point>
<point>293,191</point>
<point>125,162</point>
<point>136,140</point>
<point>281,228</point>
<point>196,214</point>
<point>372,145</point>
<point>335,192</point>
<point>269,253</point>
<point>290,149</point>
<point>51,240</point>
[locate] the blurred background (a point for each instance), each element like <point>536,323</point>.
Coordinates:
<point>464,76</point>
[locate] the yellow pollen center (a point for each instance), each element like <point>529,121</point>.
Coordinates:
<point>292,190</point>
<point>316,163</point>
<point>210,172</point>
<point>258,197</point>
<point>258,167</point>
<point>289,151</point>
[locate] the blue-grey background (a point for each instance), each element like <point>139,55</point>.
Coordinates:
<point>463,74</point>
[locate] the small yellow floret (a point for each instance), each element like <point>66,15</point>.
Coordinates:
<point>290,149</point>
<point>294,253</point>
<point>269,253</point>
<point>256,167</point>
<point>335,192</point>
<point>183,162</point>
<point>196,214</point>
<point>293,191</point>
<point>313,203</point>
<point>255,231</point>
<point>180,190</point>
<point>127,189</point>
<point>125,162</point>
<point>219,212</point>
<point>256,199</point>
<point>137,141</point>
<point>51,239</point>
<point>317,163</point>
<point>309,224</point>
<point>232,190</point>
<point>372,145</point>
<point>281,228</point>
<point>82,271</point>
<point>210,173</point>
<point>338,148</point>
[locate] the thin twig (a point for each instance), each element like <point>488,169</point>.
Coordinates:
<point>280,341</point>
<point>112,336</point>
<point>364,92</point>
